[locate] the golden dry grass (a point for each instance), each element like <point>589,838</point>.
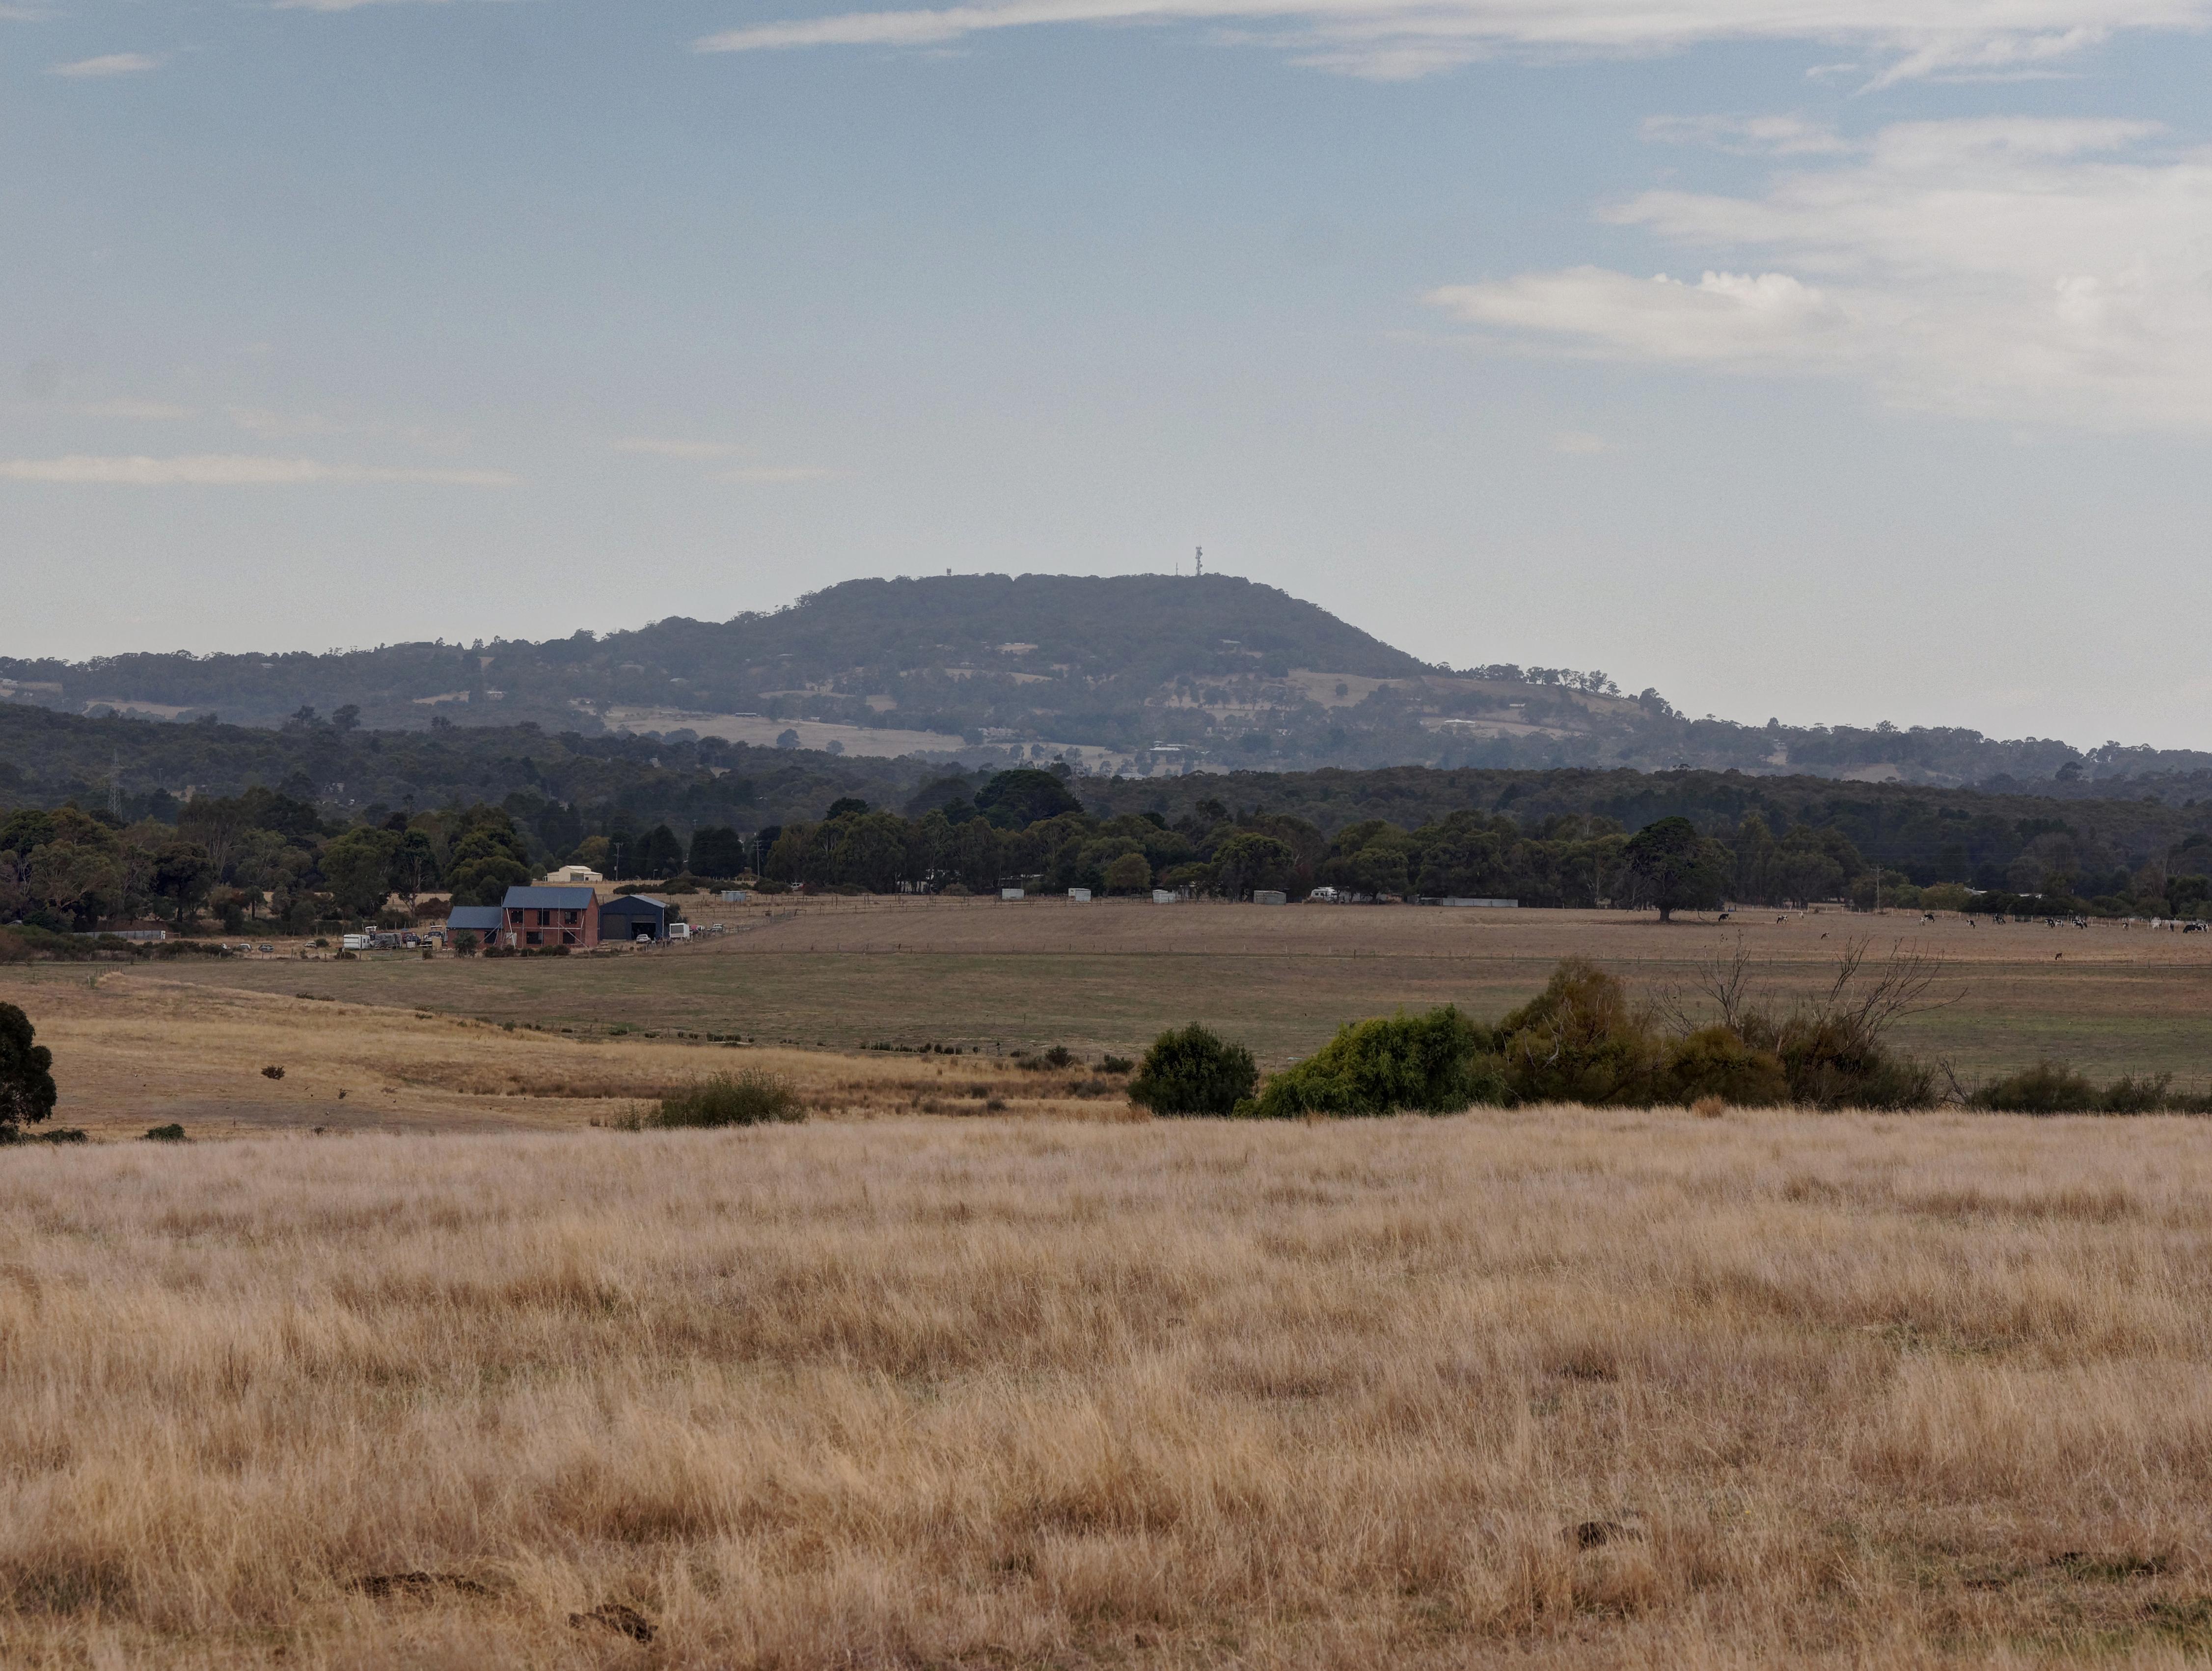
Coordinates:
<point>135,1049</point>
<point>1874,1391</point>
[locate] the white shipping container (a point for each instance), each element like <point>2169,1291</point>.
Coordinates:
<point>1080,895</point>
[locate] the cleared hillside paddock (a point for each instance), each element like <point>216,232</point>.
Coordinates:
<point>1543,1388</point>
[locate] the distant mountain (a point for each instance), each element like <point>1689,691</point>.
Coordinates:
<point>1146,675</point>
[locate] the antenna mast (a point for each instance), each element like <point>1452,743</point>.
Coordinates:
<point>1200,569</point>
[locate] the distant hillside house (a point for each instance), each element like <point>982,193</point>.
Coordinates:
<point>550,916</point>
<point>633,917</point>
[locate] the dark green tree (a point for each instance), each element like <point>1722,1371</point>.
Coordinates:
<point>1669,865</point>
<point>659,855</point>
<point>1249,860</point>
<point>27,1080</point>
<point>718,850</point>
<point>181,874</point>
<point>1025,796</point>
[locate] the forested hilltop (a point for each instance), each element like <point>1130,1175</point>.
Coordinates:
<point>1142,675</point>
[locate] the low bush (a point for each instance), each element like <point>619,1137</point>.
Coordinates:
<point>748,1097</point>
<point>172,1133</point>
<point>1714,1065</point>
<point>1193,1071</point>
<point>1437,1063</point>
<point>2053,1087</point>
<point>1578,1041</point>
<point>2049,1087</point>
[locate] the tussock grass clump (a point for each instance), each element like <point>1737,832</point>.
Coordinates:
<point>746,1098</point>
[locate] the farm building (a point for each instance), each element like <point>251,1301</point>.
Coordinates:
<point>633,917</point>
<point>482,921</point>
<point>550,916</point>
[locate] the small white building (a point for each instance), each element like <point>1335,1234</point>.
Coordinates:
<point>573,876</point>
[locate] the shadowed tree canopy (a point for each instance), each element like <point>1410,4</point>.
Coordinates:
<point>1669,865</point>
<point>27,1080</point>
<point>1025,796</point>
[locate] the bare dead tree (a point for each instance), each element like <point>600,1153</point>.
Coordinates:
<point>1722,983</point>
<point>1870,999</point>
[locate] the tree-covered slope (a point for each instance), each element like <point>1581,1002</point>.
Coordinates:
<point>1145,675</point>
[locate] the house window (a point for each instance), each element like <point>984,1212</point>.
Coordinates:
<point>532,938</point>
<point>572,918</point>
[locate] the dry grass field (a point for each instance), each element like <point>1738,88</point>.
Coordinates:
<point>135,1049</point>
<point>1111,976</point>
<point>1546,1388</point>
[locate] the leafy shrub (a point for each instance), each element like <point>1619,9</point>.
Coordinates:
<point>1059,1056</point>
<point>1193,1071</point>
<point>169,1133</point>
<point>1437,1063</point>
<point>2049,1087</point>
<point>2148,1094</point>
<point>1578,1042</point>
<point>1115,1064</point>
<point>1714,1064</point>
<point>748,1097</point>
<point>1831,1063</point>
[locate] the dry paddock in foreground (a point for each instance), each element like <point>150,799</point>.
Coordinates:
<point>1546,1387</point>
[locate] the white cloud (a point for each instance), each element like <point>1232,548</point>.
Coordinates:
<point>648,446</point>
<point>775,475</point>
<point>231,471</point>
<point>1577,443</point>
<point>113,63</point>
<point>1746,136</point>
<point>2039,271</point>
<point>1401,39</point>
<point>23,14</point>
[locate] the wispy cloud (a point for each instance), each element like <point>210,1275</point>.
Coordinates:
<point>2032,271</point>
<point>1747,136</point>
<point>1577,443</point>
<point>113,63</point>
<point>143,411</point>
<point>232,470</point>
<point>774,475</point>
<point>1402,39</point>
<point>695,450</point>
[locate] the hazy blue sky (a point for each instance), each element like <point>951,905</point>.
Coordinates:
<point>347,321</point>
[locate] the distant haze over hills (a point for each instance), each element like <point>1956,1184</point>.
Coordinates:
<point>1136,674</point>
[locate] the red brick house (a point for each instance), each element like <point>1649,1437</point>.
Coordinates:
<point>550,916</point>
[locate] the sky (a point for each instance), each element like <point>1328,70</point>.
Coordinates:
<point>1834,361</point>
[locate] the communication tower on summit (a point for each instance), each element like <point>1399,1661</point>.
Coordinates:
<point>1200,569</point>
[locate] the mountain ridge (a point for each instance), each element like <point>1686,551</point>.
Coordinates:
<point>1143,674</point>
